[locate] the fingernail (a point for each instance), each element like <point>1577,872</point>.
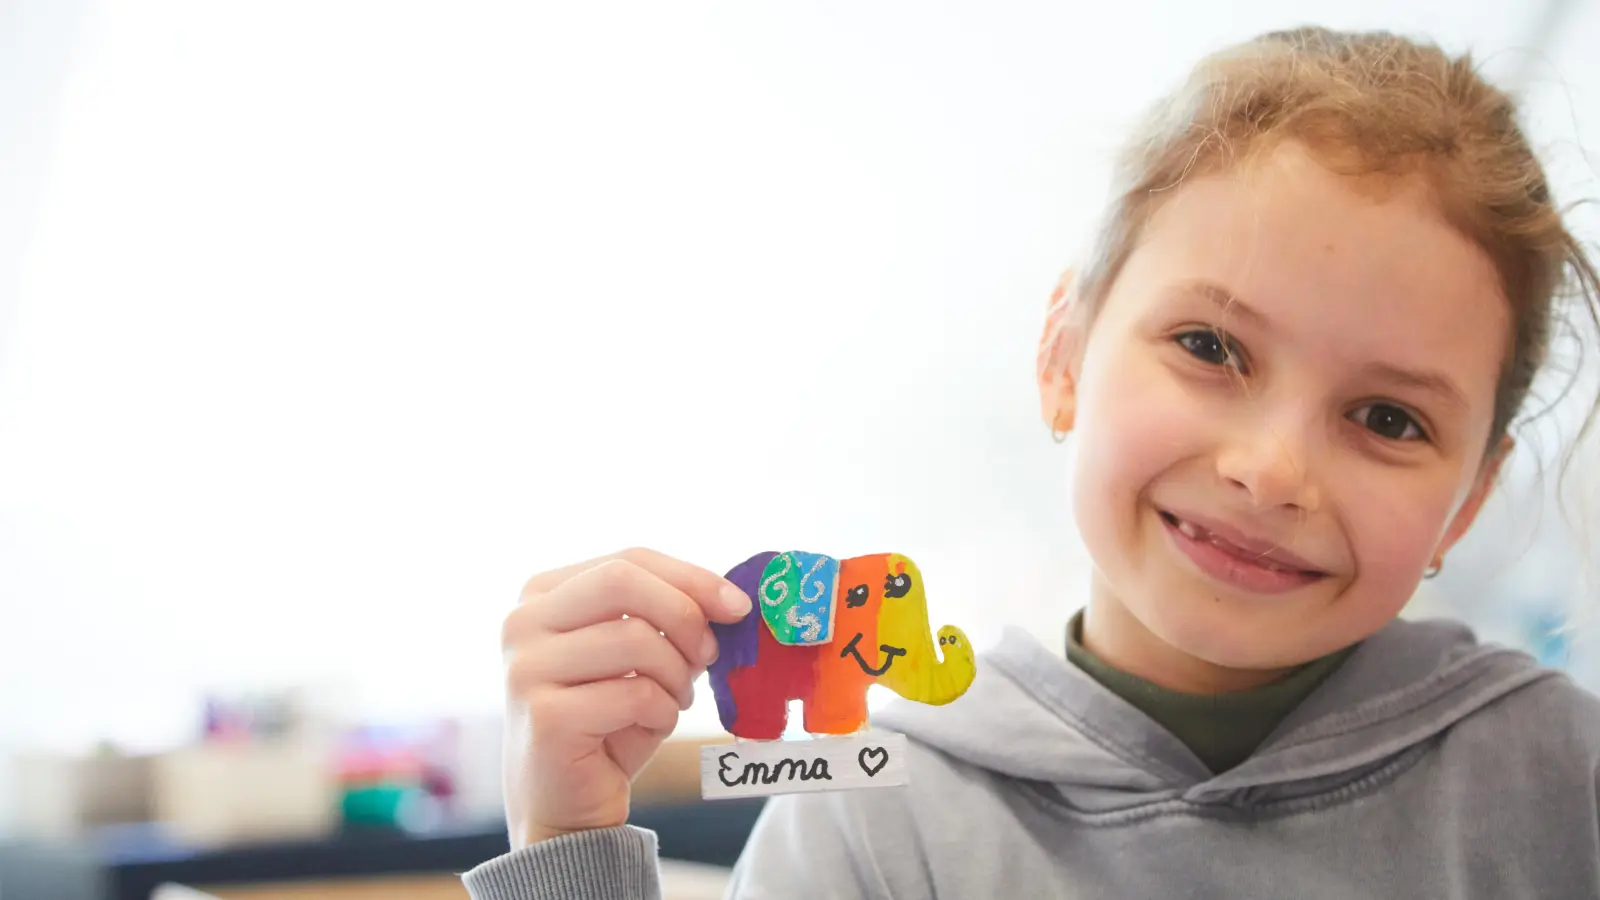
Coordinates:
<point>734,600</point>
<point>708,648</point>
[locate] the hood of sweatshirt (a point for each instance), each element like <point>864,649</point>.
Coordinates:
<point>1032,715</point>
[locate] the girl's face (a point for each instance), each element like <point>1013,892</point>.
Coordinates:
<point>1281,411</point>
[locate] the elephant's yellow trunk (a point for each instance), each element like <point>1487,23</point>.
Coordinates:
<point>952,676</point>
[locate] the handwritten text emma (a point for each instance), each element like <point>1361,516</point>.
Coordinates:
<point>761,773</point>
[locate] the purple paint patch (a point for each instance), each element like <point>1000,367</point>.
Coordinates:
<point>736,643</point>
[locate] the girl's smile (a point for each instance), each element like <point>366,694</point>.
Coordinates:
<point>1236,559</point>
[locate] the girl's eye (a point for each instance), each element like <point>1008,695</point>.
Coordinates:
<point>1212,347</point>
<point>1388,421</point>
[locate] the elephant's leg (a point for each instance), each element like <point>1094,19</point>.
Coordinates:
<point>760,710</point>
<point>840,704</point>
<point>837,708</point>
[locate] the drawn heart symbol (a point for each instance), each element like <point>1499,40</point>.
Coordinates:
<point>879,757</point>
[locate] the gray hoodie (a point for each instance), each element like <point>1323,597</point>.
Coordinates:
<point>1426,766</point>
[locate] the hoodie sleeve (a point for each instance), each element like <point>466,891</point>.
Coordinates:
<point>604,864</point>
<point>847,845</point>
<point>843,846</point>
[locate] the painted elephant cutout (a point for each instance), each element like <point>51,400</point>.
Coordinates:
<point>833,629</point>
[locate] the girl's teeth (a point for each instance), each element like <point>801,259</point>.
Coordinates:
<point>1195,533</point>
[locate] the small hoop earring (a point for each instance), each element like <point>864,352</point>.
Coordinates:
<point>1434,569</point>
<point>1058,435</point>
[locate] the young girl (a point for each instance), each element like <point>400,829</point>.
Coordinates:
<point>1317,301</point>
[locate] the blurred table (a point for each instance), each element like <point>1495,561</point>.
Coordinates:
<point>404,887</point>
<point>129,862</point>
<point>679,881</point>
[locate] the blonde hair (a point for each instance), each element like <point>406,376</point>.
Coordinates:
<point>1364,104</point>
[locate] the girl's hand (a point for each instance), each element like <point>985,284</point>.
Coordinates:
<point>600,659</point>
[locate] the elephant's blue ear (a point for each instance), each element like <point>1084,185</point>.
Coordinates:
<point>797,597</point>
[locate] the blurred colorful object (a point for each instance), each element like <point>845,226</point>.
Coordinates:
<point>395,777</point>
<point>822,631</point>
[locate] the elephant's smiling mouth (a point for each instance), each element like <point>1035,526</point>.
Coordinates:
<point>889,654</point>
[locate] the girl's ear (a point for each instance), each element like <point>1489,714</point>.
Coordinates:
<point>1488,474</point>
<point>1060,350</point>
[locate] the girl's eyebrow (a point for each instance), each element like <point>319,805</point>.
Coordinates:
<point>1225,300</point>
<point>1436,383</point>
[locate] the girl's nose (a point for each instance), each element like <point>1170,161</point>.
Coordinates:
<point>1269,466</point>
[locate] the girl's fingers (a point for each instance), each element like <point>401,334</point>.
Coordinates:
<point>611,649</point>
<point>720,599</point>
<point>608,592</point>
<point>587,713</point>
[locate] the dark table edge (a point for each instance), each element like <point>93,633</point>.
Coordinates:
<point>693,831</point>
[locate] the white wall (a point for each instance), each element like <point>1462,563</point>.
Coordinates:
<point>345,318</point>
<point>36,40</point>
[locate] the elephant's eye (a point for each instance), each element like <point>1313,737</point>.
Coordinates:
<point>857,596</point>
<point>897,586</point>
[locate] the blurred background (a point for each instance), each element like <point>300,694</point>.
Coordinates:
<point>325,325</point>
